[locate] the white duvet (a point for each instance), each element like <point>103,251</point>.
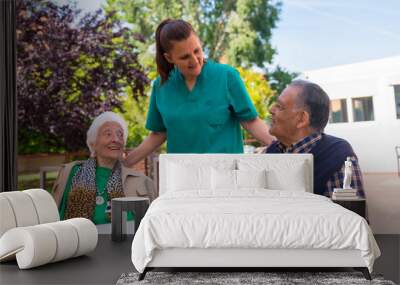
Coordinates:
<point>250,219</point>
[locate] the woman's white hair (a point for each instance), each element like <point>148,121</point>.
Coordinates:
<point>98,122</point>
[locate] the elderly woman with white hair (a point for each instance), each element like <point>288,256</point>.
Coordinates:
<point>85,188</point>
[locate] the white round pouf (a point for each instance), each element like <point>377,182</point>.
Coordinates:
<point>23,208</point>
<point>33,246</point>
<point>7,218</point>
<point>31,233</point>
<point>45,205</point>
<point>87,235</point>
<point>67,239</point>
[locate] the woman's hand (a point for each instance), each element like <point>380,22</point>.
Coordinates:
<point>259,130</point>
<point>149,144</point>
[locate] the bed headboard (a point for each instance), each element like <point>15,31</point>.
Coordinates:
<point>286,165</point>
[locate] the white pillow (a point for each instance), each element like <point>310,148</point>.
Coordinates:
<point>223,179</point>
<point>282,174</point>
<point>288,176</point>
<point>251,178</point>
<point>226,179</point>
<point>182,177</point>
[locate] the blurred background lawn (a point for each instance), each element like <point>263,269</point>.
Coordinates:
<point>28,181</point>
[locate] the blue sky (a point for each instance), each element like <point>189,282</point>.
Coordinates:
<point>313,34</point>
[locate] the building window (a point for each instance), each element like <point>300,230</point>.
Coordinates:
<point>397,99</point>
<point>339,111</point>
<point>363,109</point>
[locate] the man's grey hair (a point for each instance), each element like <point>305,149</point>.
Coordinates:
<point>98,122</point>
<point>315,101</point>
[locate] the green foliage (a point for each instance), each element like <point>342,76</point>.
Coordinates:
<point>69,72</point>
<point>279,78</point>
<point>259,91</point>
<point>249,32</point>
<point>135,112</point>
<point>261,94</point>
<point>37,142</point>
<point>238,30</point>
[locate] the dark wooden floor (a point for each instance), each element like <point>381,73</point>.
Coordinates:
<point>110,260</point>
<point>102,266</point>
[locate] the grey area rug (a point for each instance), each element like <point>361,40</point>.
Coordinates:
<point>269,278</point>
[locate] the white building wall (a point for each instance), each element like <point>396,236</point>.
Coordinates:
<point>373,141</point>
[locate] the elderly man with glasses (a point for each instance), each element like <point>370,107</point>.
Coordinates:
<point>298,120</point>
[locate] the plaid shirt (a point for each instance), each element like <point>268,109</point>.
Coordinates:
<point>336,180</point>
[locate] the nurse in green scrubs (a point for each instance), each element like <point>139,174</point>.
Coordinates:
<point>197,106</point>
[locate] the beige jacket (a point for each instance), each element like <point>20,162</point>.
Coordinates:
<point>134,183</point>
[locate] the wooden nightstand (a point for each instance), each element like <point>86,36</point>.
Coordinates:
<point>357,205</point>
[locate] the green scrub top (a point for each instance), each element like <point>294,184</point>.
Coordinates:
<point>206,119</point>
<point>100,211</point>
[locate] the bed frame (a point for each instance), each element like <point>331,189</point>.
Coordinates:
<point>245,258</point>
<point>242,259</point>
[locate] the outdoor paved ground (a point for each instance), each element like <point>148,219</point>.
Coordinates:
<point>383,202</point>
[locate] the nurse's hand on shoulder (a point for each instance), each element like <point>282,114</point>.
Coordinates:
<point>149,145</point>
<point>259,130</point>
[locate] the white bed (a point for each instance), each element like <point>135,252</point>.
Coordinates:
<point>218,210</point>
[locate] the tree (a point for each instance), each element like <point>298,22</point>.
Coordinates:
<point>68,72</point>
<point>235,31</point>
<point>259,90</point>
<point>239,30</point>
<point>260,93</point>
<point>279,78</point>
<point>135,116</point>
